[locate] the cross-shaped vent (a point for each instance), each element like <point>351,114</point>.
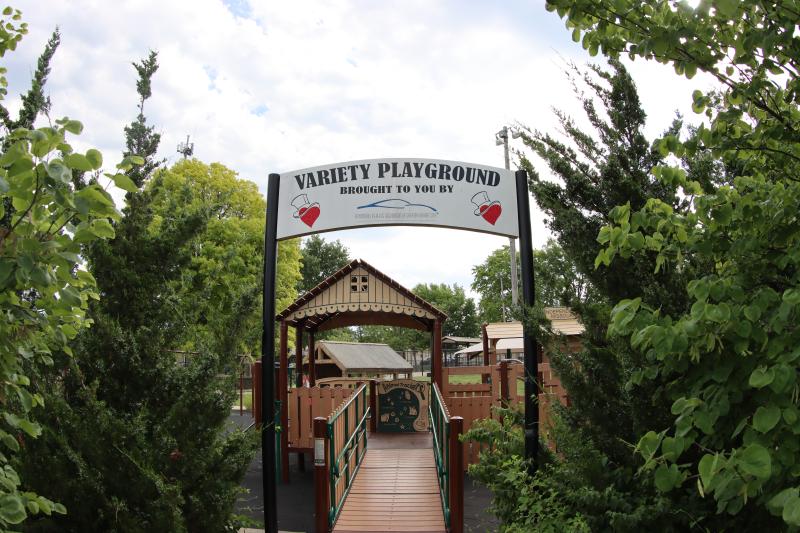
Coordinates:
<point>359,283</point>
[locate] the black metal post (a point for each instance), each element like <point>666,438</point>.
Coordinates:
<point>268,357</point>
<point>529,335</point>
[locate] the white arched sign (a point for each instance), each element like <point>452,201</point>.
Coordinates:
<point>391,192</point>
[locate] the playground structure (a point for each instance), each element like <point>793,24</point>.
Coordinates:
<point>412,191</point>
<point>364,488</point>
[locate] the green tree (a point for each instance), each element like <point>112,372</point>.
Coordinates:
<point>222,283</point>
<point>462,320</point>
<point>44,287</point>
<point>727,359</point>
<point>34,102</point>
<point>132,441</point>
<point>595,170</point>
<point>320,259</point>
<point>558,281</point>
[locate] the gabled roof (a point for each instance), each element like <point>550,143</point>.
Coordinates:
<point>364,357</point>
<point>358,293</point>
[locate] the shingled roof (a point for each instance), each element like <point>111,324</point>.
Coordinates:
<point>364,357</point>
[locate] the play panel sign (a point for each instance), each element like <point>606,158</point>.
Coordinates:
<point>381,192</point>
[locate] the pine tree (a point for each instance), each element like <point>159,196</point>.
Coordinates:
<point>34,102</point>
<point>133,441</point>
<point>598,171</point>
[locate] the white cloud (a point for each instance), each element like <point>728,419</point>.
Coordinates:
<point>274,86</point>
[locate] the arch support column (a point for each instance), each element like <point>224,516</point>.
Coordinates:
<point>283,383</point>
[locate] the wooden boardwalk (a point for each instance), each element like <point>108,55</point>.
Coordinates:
<point>396,489</point>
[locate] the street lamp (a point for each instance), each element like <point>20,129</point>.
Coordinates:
<point>501,138</point>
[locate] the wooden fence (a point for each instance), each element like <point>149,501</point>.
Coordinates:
<point>340,446</point>
<point>474,401</point>
<point>305,404</point>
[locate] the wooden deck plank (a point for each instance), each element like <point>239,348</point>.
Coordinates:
<point>396,490</point>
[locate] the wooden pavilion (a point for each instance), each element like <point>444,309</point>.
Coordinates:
<point>357,294</point>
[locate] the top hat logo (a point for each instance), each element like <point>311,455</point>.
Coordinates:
<point>305,210</point>
<point>486,208</point>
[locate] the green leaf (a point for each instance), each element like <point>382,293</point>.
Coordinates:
<point>3,185</point>
<point>778,502</point>
<point>102,228</point>
<point>766,418</point>
<point>707,468</point>
<point>791,510</point>
<point>124,182</point>
<point>78,162</point>
<point>74,126</point>
<point>672,448</point>
<point>756,461</point>
<point>12,511</point>
<point>95,158</point>
<point>666,478</point>
<point>6,268</point>
<point>726,8</point>
<point>9,441</point>
<point>761,377</point>
<point>58,171</point>
<point>648,444</point>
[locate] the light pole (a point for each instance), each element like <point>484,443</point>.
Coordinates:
<point>501,138</point>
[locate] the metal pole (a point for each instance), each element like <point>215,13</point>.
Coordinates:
<point>512,243</point>
<point>529,336</point>
<point>268,357</point>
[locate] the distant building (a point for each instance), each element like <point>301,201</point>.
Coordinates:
<point>334,359</point>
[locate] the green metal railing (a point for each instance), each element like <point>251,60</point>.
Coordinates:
<point>440,427</point>
<point>347,435</point>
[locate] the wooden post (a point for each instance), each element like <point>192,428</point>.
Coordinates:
<point>437,352</point>
<point>504,390</point>
<point>456,476</point>
<point>373,406</point>
<point>284,396</point>
<point>257,390</point>
<point>312,356</point>
<point>321,503</point>
<point>485,338</point>
<point>241,391</point>
<point>298,348</point>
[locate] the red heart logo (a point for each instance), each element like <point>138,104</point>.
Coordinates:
<point>491,212</point>
<point>309,215</point>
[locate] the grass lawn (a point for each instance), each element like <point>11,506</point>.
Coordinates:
<point>466,379</point>
<point>248,400</point>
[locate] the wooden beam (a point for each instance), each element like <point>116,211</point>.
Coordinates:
<point>312,356</point>
<point>437,352</point>
<point>298,348</point>
<point>485,337</point>
<point>370,318</point>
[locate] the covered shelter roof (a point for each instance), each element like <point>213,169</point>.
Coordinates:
<point>364,357</point>
<point>562,320</point>
<point>475,348</point>
<point>359,294</point>
<point>452,339</point>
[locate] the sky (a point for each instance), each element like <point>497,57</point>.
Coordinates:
<point>266,86</point>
